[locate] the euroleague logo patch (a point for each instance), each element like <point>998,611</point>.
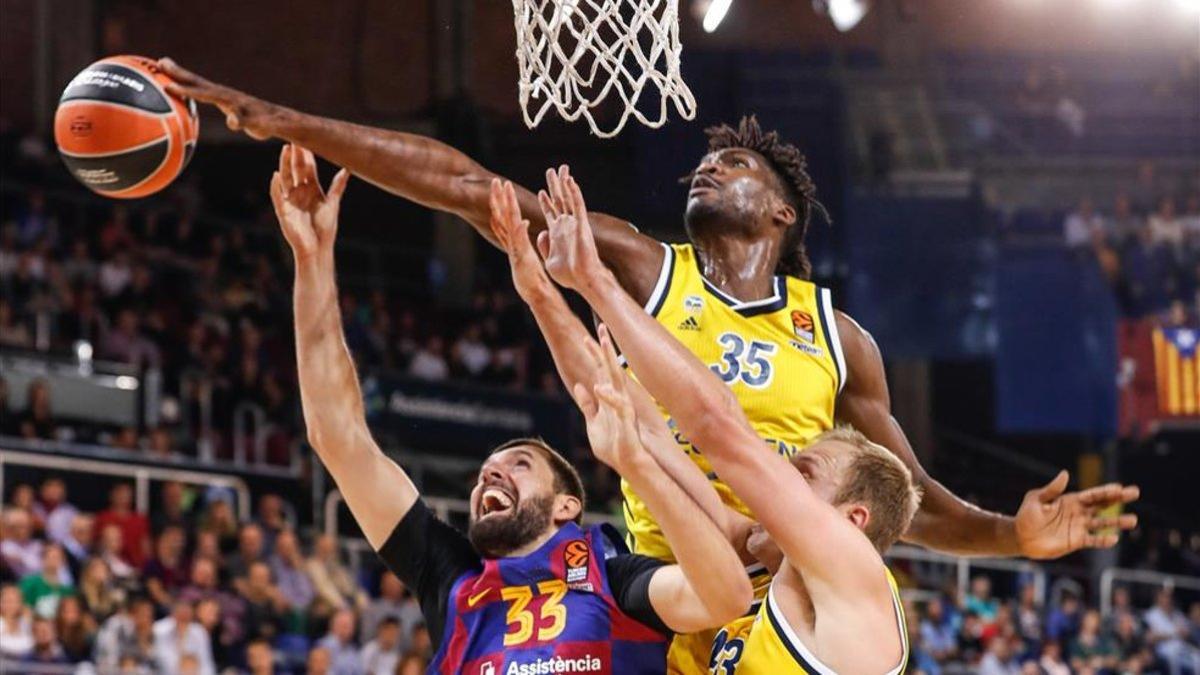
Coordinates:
<point>576,556</point>
<point>802,325</point>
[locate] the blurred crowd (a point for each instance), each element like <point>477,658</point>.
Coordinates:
<point>1147,245</point>
<point>210,308</point>
<point>984,634</point>
<point>191,589</point>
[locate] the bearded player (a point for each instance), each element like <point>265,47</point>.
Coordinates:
<point>527,590</point>
<point>738,296</point>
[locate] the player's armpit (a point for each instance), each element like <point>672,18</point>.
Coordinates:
<point>944,522</point>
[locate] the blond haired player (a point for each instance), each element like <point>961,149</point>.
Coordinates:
<point>737,295</point>
<point>845,501</point>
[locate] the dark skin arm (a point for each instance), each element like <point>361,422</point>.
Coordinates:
<point>417,168</point>
<point>1049,524</point>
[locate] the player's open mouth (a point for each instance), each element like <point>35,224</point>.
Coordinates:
<point>495,500</point>
<point>701,183</point>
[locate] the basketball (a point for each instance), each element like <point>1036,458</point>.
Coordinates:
<point>118,130</point>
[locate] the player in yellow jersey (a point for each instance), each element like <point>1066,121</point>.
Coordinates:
<point>832,510</point>
<point>748,209</point>
<point>871,489</point>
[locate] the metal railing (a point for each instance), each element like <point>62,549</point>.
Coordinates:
<point>1109,578</point>
<point>142,475</point>
<point>962,566</point>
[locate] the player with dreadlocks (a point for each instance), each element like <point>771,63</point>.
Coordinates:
<point>738,295</point>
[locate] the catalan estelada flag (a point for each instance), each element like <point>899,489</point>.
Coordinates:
<point>1177,370</point>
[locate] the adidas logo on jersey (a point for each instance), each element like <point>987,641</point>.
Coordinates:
<point>689,323</point>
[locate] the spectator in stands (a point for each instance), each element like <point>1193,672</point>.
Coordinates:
<point>1146,188</point>
<point>160,444</point>
<point>167,571</point>
<point>1051,660</point>
<point>1131,649</point>
<point>100,597</point>
<point>1081,225</point>
<point>127,636</point>
<point>1167,631</point>
<point>203,588</point>
<point>250,550</point>
<point>1122,606</point>
<point>79,267</point>
<point>1062,622</point>
<point>381,655</point>
<point>126,343</point>
<point>260,660</point>
<point>171,510</point>
<point>332,580</point>
<point>419,641</point>
<point>1091,650</point>
<point>937,632</point>
<point>43,589</point>
<point>1147,269</point>
<point>980,601</point>
<point>396,603</point>
<point>16,624</point>
<point>179,635</point>
<point>291,574</point>
<point>471,357</point>
<point>344,656</point>
<point>135,528</point>
<point>14,332</point>
<point>54,511</point>
<point>22,554</point>
<point>270,518</point>
<point>111,550</point>
<point>319,661</point>
<point>1125,224</point>
<point>1166,228</point>
<point>35,223</point>
<point>429,361</point>
<point>411,664</point>
<point>38,419</point>
<point>76,629</point>
<point>266,607</point>
<point>1029,618</point>
<point>114,275</point>
<point>970,637</point>
<point>46,648</point>
<point>219,522</point>
<point>1000,659</point>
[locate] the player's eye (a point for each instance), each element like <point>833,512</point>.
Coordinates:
<point>523,463</point>
<point>740,163</point>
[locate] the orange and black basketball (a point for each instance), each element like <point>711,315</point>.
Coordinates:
<point>118,130</point>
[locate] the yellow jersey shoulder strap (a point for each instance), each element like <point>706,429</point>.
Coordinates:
<point>804,656</point>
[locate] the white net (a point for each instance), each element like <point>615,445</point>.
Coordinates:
<point>581,56</point>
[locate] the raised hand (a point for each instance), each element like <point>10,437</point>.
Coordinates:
<point>612,427</point>
<point>307,215</point>
<point>243,112</point>
<point>568,246</point>
<point>1051,524</point>
<point>512,234</point>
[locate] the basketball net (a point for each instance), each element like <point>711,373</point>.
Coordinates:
<point>574,55</point>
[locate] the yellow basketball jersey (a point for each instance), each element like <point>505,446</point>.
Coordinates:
<point>780,357</point>
<point>766,644</point>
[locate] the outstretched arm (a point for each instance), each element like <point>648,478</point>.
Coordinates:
<point>708,586</point>
<point>578,358</point>
<point>415,167</point>
<point>1049,523</point>
<point>377,491</point>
